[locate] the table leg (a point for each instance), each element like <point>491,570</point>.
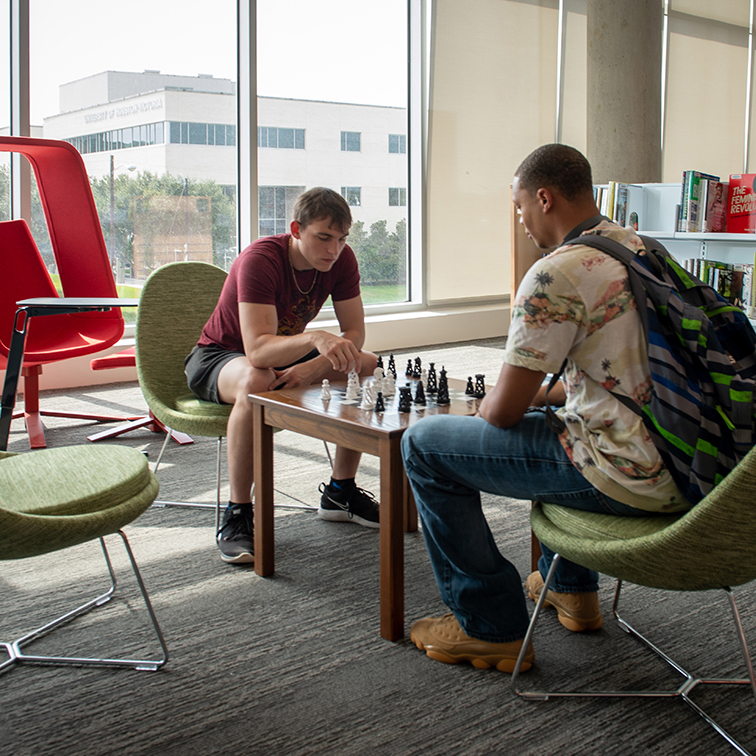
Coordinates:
<point>262,465</point>
<point>391,540</point>
<point>12,374</point>
<point>410,510</point>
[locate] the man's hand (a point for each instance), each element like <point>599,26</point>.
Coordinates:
<point>340,352</point>
<point>510,398</point>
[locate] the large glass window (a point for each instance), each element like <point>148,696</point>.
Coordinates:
<point>350,95</point>
<point>135,99</point>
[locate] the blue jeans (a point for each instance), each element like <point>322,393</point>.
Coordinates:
<point>449,461</point>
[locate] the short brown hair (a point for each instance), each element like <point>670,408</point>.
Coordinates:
<point>557,166</point>
<point>318,203</point>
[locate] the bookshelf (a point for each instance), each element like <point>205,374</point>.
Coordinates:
<point>656,205</point>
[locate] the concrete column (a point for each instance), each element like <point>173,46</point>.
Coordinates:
<point>624,90</point>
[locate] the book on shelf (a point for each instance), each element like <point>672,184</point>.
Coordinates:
<point>693,188</point>
<point>741,204</point>
<point>733,281</point>
<point>714,204</point>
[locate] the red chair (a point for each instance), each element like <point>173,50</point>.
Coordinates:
<point>125,359</point>
<point>82,262</point>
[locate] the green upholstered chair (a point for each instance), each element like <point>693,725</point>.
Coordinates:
<point>176,302</point>
<point>56,498</point>
<point>712,546</point>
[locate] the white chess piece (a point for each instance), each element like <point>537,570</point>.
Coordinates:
<point>389,385</point>
<point>424,378</point>
<point>378,379</point>
<point>325,390</point>
<point>368,397</point>
<point>353,387</point>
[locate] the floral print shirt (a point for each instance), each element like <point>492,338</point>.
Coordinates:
<point>575,303</point>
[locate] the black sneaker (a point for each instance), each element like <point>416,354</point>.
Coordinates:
<point>356,505</point>
<point>236,537</point>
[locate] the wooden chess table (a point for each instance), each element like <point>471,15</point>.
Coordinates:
<point>338,421</point>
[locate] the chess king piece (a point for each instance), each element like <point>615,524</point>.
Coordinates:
<point>378,378</point>
<point>405,399</point>
<point>469,389</point>
<point>325,390</point>
<point>480,386</point>
<point>379,405</point>
<point>392,366</point>
<point>431,387</point>
<point>420,393</point>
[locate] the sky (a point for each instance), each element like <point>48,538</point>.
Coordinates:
<point>336,50</point>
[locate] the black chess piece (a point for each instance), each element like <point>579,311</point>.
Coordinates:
<point>405,399</point>
<point>417,371</point>
<point>419,393</point>
<point>480,386</point>
<point>408,371</point>
<point>442,397</point>
<point>379,405</point>
<point>392,366</point>
<point>432,387</point>
<point>469,389</point>
<point>380,361</point>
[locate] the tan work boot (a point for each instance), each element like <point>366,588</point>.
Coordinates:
<point>576,611</point>
<point>444,640</point>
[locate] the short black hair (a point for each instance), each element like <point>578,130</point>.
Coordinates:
<point>318,203</point>
<point>559,166</point>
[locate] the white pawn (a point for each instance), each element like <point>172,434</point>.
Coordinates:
<point>325,390</point>
<point>424,378</point>
<point>368,397</point>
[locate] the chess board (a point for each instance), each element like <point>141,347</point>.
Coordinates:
<point>460,403</point>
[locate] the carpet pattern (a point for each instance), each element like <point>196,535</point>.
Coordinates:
<point>294,664</point>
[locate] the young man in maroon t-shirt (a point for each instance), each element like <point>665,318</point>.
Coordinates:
<point>255,340</point>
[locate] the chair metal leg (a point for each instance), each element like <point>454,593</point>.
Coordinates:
<point>17,656</point>
<point>683,691</point>
<point>192,504</point>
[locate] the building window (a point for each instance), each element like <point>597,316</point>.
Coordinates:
<point>218,134</point>
<point>398,143</point>
<point>397,197</point>
<point>285,139</point>
<point>352,195</point>
<point>272,210</point>
<point>350,141</point>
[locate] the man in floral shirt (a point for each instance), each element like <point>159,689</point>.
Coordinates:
<point>575,305</point>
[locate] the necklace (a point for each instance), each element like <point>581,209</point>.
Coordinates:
<point>294,274</point>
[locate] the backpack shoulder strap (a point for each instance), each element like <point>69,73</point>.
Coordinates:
<point>628,257</point>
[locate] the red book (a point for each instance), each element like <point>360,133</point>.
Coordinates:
<point>741,204</point>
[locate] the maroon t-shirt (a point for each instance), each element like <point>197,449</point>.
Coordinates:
<point>262,274</point>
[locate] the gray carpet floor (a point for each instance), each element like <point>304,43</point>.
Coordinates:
<point>294,664</point>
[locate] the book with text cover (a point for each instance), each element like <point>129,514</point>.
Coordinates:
<point>741,204</point>
<point>695,182</point>
<point>715,207</point>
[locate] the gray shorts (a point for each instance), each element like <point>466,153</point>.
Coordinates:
<point>203,366</point>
